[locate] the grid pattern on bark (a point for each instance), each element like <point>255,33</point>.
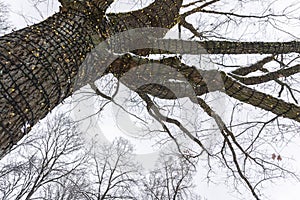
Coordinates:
<point>38,64</point>
<point>37,67</point>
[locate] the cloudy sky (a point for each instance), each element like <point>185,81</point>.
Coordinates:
<point>23,13</point>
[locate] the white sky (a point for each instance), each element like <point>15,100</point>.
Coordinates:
<point>21,9</point>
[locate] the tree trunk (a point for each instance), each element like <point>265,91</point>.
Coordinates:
<point>39,63</point>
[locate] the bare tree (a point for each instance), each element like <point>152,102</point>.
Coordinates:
<point>4,23</point>
<point>173,179</point>
<point>40,64</point>
<point>55,165</point>
<point>44,161</point>
<point>113,172</point>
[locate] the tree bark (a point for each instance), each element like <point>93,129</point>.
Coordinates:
<point>38,64</point>
<point>203,82</point>
<point>224,47</point>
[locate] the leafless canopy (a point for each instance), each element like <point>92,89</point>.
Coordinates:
<point>256,74</point>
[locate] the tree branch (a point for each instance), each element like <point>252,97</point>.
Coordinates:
<point>196,79</point>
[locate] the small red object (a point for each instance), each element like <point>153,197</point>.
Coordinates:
<point>279,158</point>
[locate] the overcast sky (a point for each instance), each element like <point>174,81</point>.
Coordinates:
<point>23,13</point>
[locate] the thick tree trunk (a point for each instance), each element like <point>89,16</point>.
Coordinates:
<point>39,63</point>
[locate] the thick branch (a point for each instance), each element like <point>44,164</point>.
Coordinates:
<point>200,81</point>
<point>93,6</point>
<point>261,100</point>
<point>243,71</point>
<point>253,80</point>
<point>162,13</point>
<point>223,47</point>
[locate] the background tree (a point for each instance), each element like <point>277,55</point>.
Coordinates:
<point>4,23</point>
<point>55,164</point>
<point>40,166</point>
<point>172,180</point>
<point>40,64</point>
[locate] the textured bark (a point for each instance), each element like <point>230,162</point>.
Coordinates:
<point>260,100</point>
<point>225,47</point>
<point>214,81</point>
<point>38,64</point>
<point>253,80</point>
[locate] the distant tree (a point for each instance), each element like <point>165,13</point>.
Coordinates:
<point>173,179</point>
<point>55,165</point>
<point>44,161</point>
<point>4,24</point>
